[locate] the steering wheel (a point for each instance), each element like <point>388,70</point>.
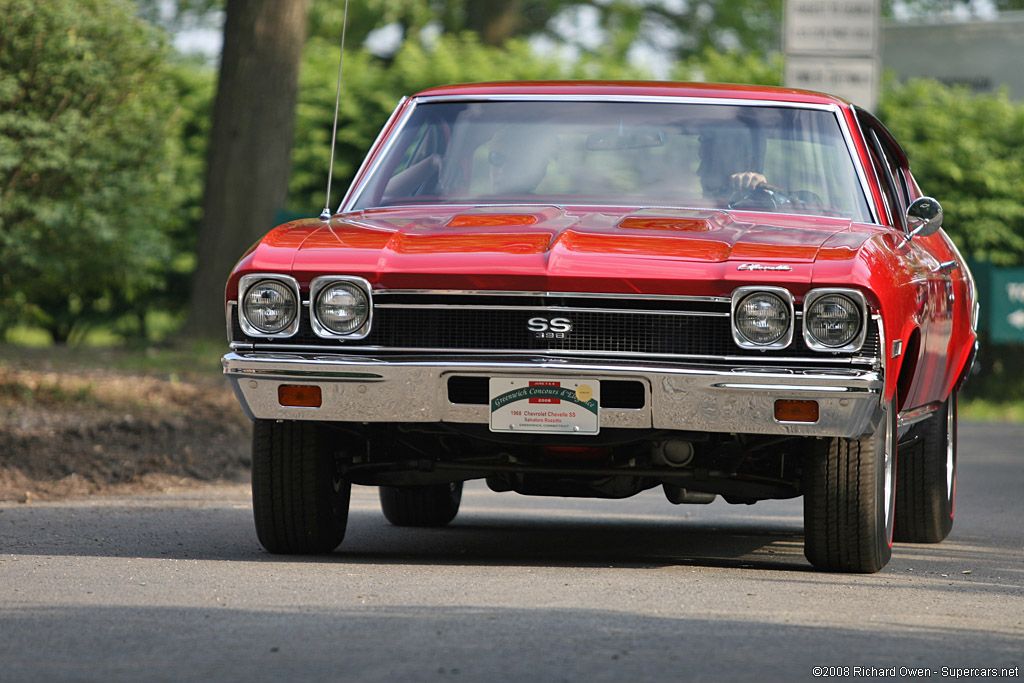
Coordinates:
<point>760,197</point>
<point>808,199</point>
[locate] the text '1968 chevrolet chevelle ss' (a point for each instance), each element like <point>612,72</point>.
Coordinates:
<point>594,289</point>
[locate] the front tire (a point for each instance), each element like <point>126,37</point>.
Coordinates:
<point>849,500</point>
<point>421,506</point>
<point>299,499</point>
<point>926,491</point>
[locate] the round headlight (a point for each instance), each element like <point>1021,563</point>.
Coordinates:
<point>270,306</point>
<point>762,318</point>
<point>833,320</point>
<point>342,307</point>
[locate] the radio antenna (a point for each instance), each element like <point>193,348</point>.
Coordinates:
<point>326,213</point>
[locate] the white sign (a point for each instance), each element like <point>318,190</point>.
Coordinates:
<point>545,405</point>
<point>1015,291</point>
<point>831,27</point>
<point>852,78</point>
<point>1016,319</point>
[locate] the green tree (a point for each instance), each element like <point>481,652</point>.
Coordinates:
<point>680,28</point>
<point>90,163</point>
<point>966,151</point>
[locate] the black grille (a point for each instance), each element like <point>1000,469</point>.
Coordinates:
<point>618,332</point>
<point>670,328</point>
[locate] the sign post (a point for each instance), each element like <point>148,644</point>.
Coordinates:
<point>832,46</point>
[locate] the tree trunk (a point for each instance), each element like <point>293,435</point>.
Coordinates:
<point>248,161</point>
<point>495,21</point>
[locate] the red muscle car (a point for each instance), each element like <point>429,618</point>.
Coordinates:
<point>596,288</point>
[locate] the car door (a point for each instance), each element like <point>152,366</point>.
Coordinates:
<point>931,263</point>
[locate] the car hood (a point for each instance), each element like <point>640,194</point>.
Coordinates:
<point>551,248</point>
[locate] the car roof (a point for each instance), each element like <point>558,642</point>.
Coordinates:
<point>635,89</point>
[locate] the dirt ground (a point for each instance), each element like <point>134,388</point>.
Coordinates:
<point>72,431</point>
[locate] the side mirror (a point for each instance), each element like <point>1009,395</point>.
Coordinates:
<point>924,217</point>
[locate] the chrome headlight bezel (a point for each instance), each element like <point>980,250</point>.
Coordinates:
<point>291,285</point>
<point>740,295</point>
<point>321,284</point>
<point>854,296</point>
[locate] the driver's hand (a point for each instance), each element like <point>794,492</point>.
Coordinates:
<point>748,180</point>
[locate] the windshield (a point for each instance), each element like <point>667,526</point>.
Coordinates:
<point>782,159</point>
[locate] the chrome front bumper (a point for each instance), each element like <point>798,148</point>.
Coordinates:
<point>691,398</point>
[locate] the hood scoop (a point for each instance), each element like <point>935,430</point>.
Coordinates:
<point>677,221</point>
<point>504,217</point>
<point>491,220</point>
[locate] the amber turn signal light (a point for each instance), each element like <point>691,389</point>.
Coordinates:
<point>298,396</point>
<point>796,411</point>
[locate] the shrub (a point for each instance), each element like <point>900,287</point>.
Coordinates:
<point>91,175</point>
<point>966,151</point>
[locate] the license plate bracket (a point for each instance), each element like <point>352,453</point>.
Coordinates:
<point>545,405</point>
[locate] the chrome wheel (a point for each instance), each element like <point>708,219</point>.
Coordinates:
<point>950,449</point>
<point>890,477</point>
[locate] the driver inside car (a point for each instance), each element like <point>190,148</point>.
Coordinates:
<point>726,163</point>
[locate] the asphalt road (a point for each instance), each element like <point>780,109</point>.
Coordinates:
<point>176,587</point>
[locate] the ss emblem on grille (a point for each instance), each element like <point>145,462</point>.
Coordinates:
<point>553,328</point>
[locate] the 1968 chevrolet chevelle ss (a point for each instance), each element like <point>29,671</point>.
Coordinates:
<point>595,289</point>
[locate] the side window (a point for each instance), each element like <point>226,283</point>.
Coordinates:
<point>894,205</point>
<point>888,198</point>
<point>896,171</point>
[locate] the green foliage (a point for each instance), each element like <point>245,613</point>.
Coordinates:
<point>967,151</point>
<point>713,66</point>
<point>682,29</point>
<point>371,88</point>
<point>92,177</point>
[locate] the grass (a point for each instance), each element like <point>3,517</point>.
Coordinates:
<point>45,393</point>
<point>190,359</point>
<point>984,410</point>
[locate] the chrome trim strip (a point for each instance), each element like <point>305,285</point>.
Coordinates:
<point>881,363</point>
<point>354,191</point>
<point>622,97</point>
<point>865,186</point>
<point>784,387</point>
<point>229,312</point>
<point>912,417</point>
<point>576,309</point>
<point>853,360</point>
<point>611,205</point>
<point>577,295</point>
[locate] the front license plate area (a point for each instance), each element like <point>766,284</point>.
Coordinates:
<point>547,406</point>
